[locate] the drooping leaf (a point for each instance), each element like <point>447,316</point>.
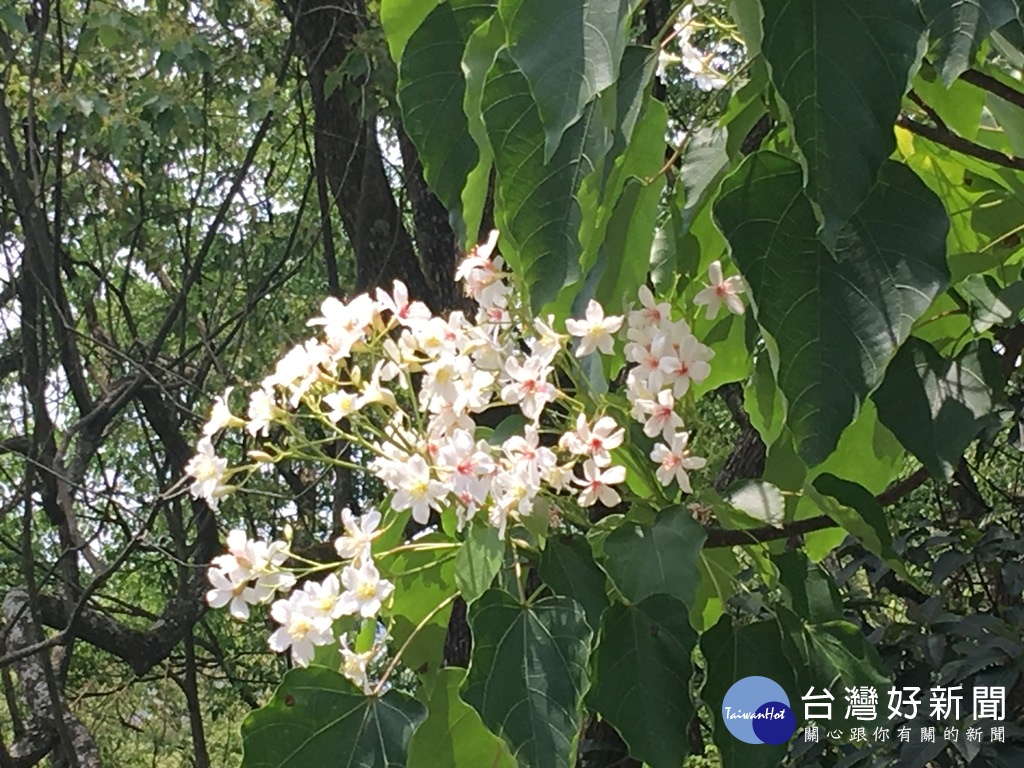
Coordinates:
<point>958,27</point>
<point>935,406</point>
<point>842,69</point>
<point>431,92</point>
<point>813,592</point>
<point>536,200</point>
<point>837,320</point>
<point>317,717</point>
<point>622,198</point>
<point>528,674</point>
<point>568,52</point>
<point>567,566</point>
<point>452,736</point>
<point>623,259</point>
<point>478,561</point>
<point>642,674</point>
<point>718,567</point>
<point>660,559</point>
<point>702,163</point>
<point>400,18</point>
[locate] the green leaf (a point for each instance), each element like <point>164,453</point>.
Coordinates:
<point>812,591</point>
<point>642,674</point>
<point>568,51</point>
<point>478,561</point>
<point>453,735</point>
<point>836,655</point>
<point>934,406</point>
<point>621,260</point>
<point>858,512</point>
<point>620,206</point>
<point>733,653</point>
<point>528,674</point>
<point>423,580</point>
<point>837,320</point>
<point>400,18</point>
<point>843,69</point>
<point>659,559</point>
<point>13,20</point>
<point>567,566</point>
<point>718,567</point>
<point>702,164</point>
<point>958,27</point>
<point>317,717</point>
<point>867,454</point>
<point>431,91</point>
<point>538,211</point>
<point>991,304</point>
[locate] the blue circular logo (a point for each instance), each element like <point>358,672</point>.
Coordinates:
<point>756,710</point>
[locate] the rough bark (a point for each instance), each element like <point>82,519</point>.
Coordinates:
<point>51,721</point>
<point>347,140</point>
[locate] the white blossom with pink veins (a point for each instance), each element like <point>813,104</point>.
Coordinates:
<point>594,330</point>
<point>354,665</point>
<point>597,441</point>
<point>324,598</point>
<point>548,342</point>
<point>406,312</point>
<point>233,590</point>
<point>647,358</point>
<point>466,463</point>
<point>651,313</point>
<point>661,415</point>
<point>513,496</point>
<point>299,369</point>
<point>300,630</point>
<point>675,461</point>
<point>248,559</point>
<point>365,591</point>
<point>597,484</point>
<point>262,411</point>
<point>531,460</point>
<point>688,362</point>
<point>221,416</point>
<point>345,325</point>
<point>483,276</point>
<point>721,291</point>
<point>528,386</point>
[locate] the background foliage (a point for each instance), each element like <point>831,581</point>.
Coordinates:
<point>181,184</point>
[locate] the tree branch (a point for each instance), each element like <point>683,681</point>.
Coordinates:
<point>993,86</point>
<point>959,144</point>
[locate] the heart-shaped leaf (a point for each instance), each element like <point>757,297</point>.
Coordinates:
<point>934,406</point>
<point>660,559</point>
<point>317,717</point>
<point>528,674</point>
<point>643,671</point>
<point>842,69</point>
<point>837,319</point>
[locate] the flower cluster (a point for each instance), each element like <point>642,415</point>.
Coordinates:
<point>253,572</point>
<point>405,387</point>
